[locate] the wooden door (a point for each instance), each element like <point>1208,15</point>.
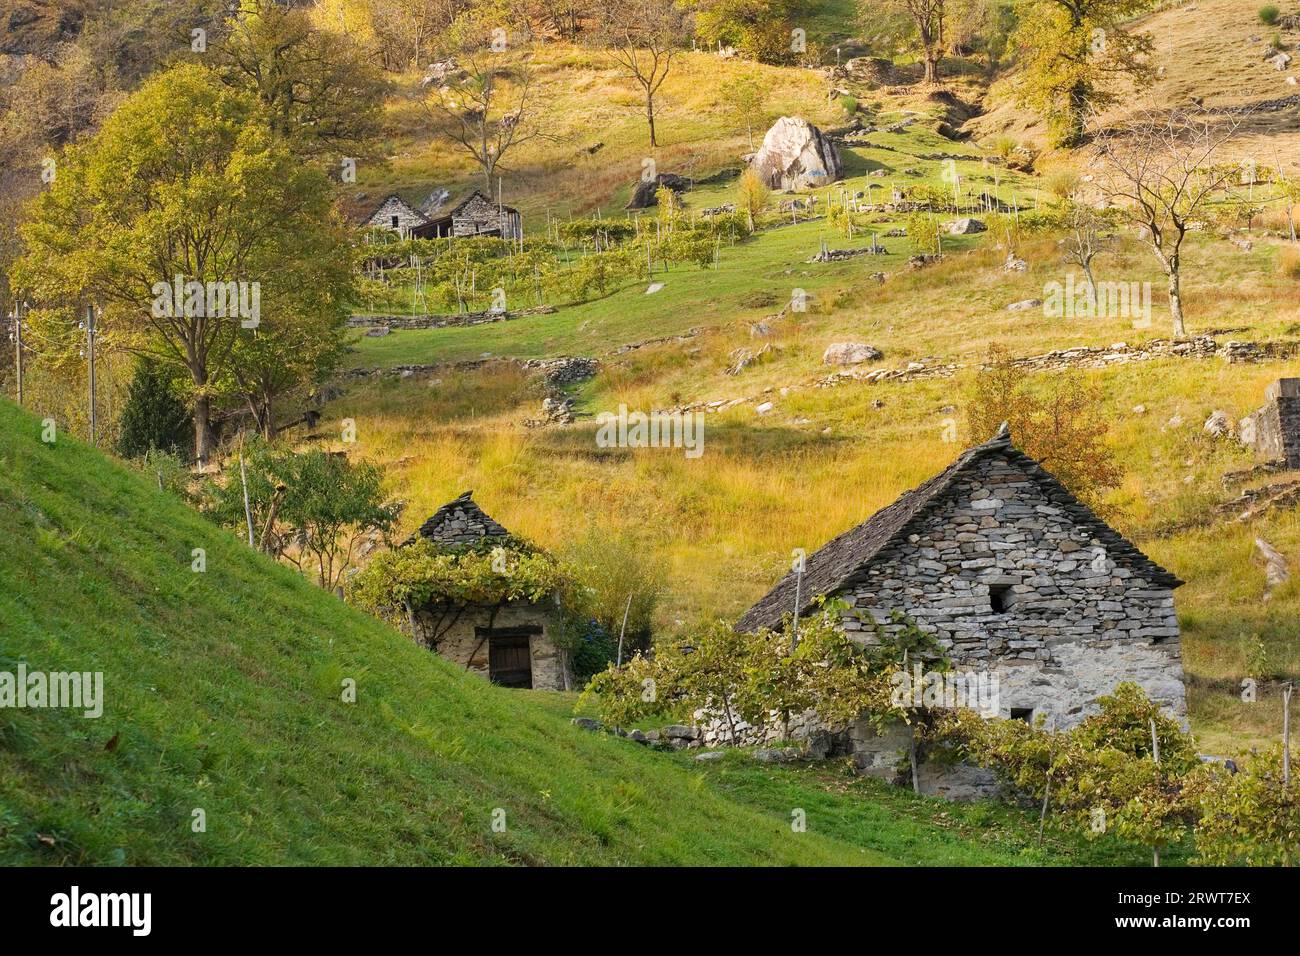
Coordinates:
<point>510,659</point>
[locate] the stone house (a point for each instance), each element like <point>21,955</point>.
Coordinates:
<point>509,643</point>
<point>1014,576</point>
<point>475,215</point>
<point>396,215</point>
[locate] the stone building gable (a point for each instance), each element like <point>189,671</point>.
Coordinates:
<point>408,217</point>
<point>460,521</point>
<point>836,564</point>
<point>478,214</point>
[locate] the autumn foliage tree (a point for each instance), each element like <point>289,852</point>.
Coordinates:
<point>185,179</point>
<point>1074,54</point>
<point>1060,425</point>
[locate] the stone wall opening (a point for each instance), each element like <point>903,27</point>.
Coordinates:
<point>510,655</point>
<point>999,598</point>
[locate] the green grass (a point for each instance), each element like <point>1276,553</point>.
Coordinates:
<point>223,693</point>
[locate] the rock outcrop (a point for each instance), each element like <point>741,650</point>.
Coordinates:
<point>796,155</point>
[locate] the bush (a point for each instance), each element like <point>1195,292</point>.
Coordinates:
<point>1249,818</point>
<point>154,419</point>
<point>923,230</point>
<point>1269,14</point>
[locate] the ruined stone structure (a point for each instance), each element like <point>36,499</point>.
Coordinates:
<point>1274,430</point>
<point>509,644</point>
<point>1014,576</point>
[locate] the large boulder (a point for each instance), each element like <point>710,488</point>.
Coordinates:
<point>849,353</point>
<point>796,155</point>
<point>965,227</point>
<point>643,196</point>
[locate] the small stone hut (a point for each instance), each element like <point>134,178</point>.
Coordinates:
<point>396,215</point>
<point>509,643</point>
<point>1013,575</point>
<point>475,215</point>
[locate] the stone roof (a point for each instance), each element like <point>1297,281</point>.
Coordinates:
<point>838,562</point>
<point>443,213</point>
<point>460,521</point>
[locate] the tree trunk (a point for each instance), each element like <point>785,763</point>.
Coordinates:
<point>1075,113</point>
<point>1092,284</point>
<point>931,67</point>
<point>202,429</point>
<point>269,430</point>
<point>650,117</point>
<point>1176,305</point>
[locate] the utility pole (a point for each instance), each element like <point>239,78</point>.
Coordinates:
<point>91,335</point>
<point>17,316</point>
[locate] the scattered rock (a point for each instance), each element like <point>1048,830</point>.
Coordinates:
<point>1024,304</point>
<point>710,757</point>
<point>924,259</point>
<point>743,358</point>
<point>643,196</point>
<point>1275,569</point>
<point>1218,424</point>
<point>776,754</point>
<point>850,353</point>
<point>588,723</point>
<point>764,408</point>
<point>378,332</point>
<point>1014,265</point>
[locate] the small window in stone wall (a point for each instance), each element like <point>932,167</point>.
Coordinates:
<point>1000,598</point>
<point>1023,713</point>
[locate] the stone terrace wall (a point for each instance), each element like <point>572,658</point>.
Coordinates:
<point>1075,624</point>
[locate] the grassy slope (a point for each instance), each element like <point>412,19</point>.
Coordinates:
<point>825,459</point>
<point>222,692</point>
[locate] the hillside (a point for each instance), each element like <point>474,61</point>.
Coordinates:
<point>1210,51</point>
<point>223,693</point>
<point>823,459</point>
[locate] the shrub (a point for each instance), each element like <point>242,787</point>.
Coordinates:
<point>425,572</point>
<point>1269,14</point>
<point>923,230</point>
<point>1062,182</point>
<point>154,418</point>
<point>1251,817</point>
<point>305,509</point>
